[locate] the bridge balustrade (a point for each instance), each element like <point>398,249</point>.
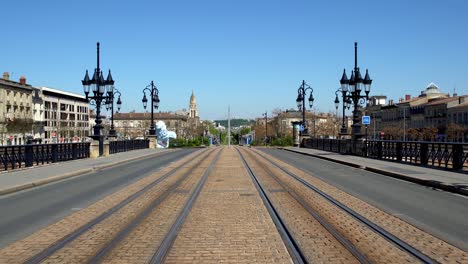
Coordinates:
<point>18,156</point>
<point>441,155</point>
<point>117,146</point>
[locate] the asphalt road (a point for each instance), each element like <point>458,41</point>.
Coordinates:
<point>440,213</point>
<point>25,212</point>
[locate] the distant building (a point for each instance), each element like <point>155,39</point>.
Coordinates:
<point>66,116</point>
<point>193,129</point>
<point>318,124</point>
<point>432,109</point>
<point>15,110</point>
<point>133,125</point>
<point>458,114</point>
<point>193,110</point>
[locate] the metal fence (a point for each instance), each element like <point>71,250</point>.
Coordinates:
<point>117,146</point>
<point>18,156</point>
<point>440,155</point>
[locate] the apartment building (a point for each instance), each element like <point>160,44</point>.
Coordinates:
<point>133,125</point>
<point>15,110</point>
<point>66,116</point>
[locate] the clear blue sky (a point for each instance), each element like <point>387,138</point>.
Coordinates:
<point>252,55</point>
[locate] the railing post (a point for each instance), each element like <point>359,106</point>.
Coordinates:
<point>457,152</point>
<point>399,149</point>
<point>74,151</point>
<point>29,153</point>
<point>54,152</point>
<point>379,150</point>
<point>423,154</point>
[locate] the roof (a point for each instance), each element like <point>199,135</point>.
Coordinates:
<point>64,95</point>
<point>465,104</point>
<point>15,84</point>
<point>193,99</point>
<point>442,101</point>
<point>62,92</point>
<point>147,116</point>
<point>432,88</point>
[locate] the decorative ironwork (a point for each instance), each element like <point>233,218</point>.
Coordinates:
<point>14,157</point>
<point>117,146</point>
<point>439,155</point>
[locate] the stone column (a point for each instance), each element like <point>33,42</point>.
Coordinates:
<point>94,149</point>
<point>152,141</point>
<point>106,148</point>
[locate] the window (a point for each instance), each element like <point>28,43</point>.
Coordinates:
<point>465,117</point>
<point>63,107</point>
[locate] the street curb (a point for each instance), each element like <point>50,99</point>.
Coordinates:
<point>22,187</point>
<point>428,183</point>
<point>57,178</point>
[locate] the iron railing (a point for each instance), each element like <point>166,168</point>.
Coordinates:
<point>117,146</point>
<point>440,155</point>
<point>19,156</point>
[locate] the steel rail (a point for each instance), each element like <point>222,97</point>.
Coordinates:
<point>379,230</point>
<point>47,252</point>
<point>170,237</point>
<point>292,246</point>
<point>131,226</point>
<point>335,233</point>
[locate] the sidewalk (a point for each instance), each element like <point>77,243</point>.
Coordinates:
<point>21,179</point>
<point>441,179</point>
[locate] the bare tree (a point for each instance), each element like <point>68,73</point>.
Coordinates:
<point>391,132</point>
<point>454,131</point>
<point>429,133</point>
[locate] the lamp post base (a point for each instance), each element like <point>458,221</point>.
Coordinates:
<point>100,139</point>
<point>152,132</point>
<point>112,133</point>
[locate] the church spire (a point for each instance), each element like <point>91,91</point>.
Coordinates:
<point>193,111</point>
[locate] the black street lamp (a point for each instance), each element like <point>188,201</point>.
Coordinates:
<point>351,90</point>
<point>110,106</point>
<point>266,126</point>
<point>301,94</point>
<point>346,105</point>
<point>98,86</point>
<point>153,91</point>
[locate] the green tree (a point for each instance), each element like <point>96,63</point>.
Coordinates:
<point>244,131</point>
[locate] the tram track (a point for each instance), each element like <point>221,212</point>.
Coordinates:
<point>278,173</point>
<point>71,239</point>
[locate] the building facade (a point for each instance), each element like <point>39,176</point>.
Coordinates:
<point>433,115</point>
<point>66,116</point>
<point>136,125</point>
<point>15,110</point>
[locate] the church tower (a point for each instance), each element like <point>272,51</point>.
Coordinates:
<point>193,112</point>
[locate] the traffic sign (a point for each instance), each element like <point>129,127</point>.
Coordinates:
<point>366,120</point>
<point>301,128</point>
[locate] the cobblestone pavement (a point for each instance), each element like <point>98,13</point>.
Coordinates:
<point>140,245</point>
<point>428,244</point>
<point>316,243</point>
<point>229,223</point>
<point>22,250</point>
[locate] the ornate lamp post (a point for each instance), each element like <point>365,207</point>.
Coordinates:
<point>110,106</point>
<point>98,86</point>
<point>351,90</point>
<point>301,94</point>
<point>153,91</point>
<point>346,105</point>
